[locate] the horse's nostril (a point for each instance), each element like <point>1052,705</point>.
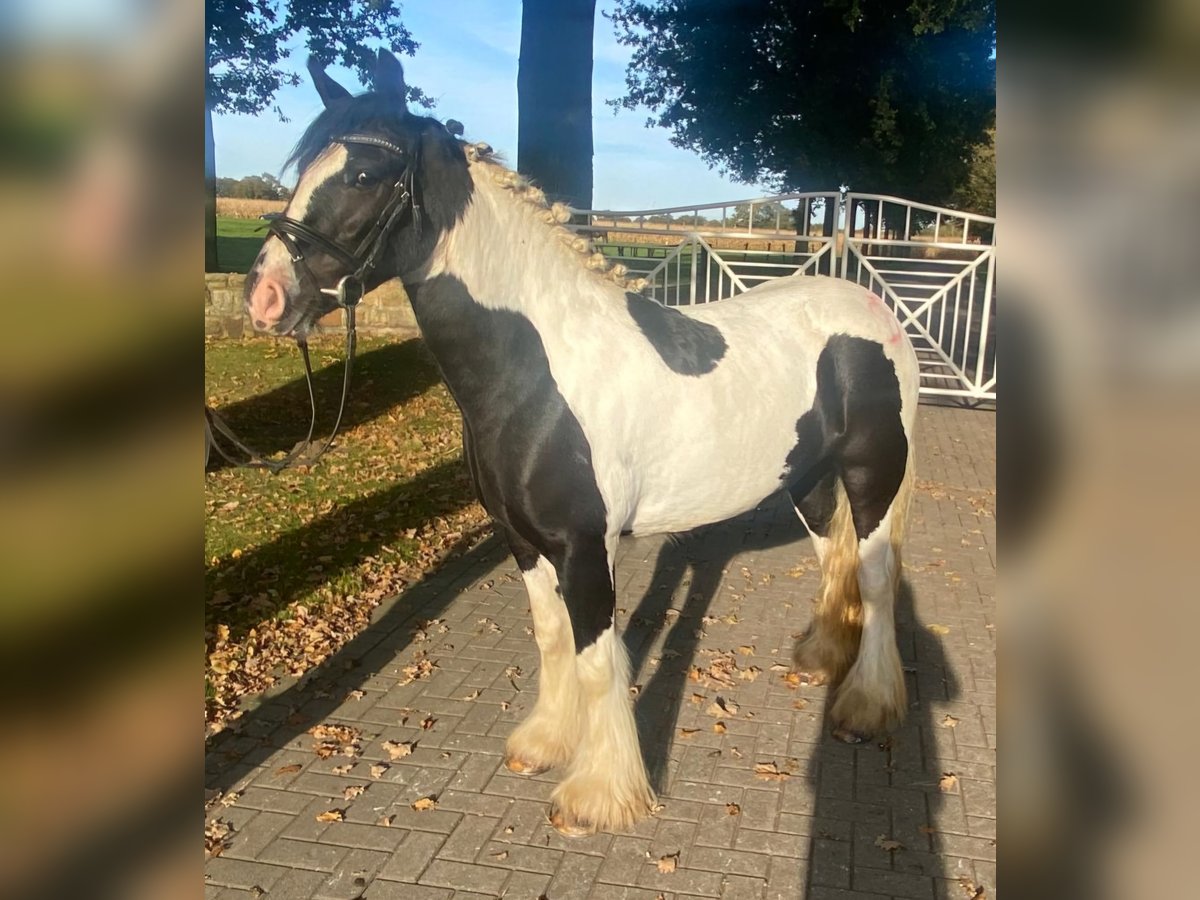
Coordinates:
<point>266,303</point>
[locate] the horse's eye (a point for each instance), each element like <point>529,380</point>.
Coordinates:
<point>364,179</point>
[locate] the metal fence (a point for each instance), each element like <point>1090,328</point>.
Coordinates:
<point>935,268</point>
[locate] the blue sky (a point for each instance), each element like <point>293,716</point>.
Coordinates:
<point>468,63</point>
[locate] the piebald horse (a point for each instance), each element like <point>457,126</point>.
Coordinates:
<point>590,411</point>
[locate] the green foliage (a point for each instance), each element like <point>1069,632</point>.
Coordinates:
<point>977,193</point>
<point>766,215</point>
<point>881,95</point>
<point>253,187</point>
<point>245,45</point>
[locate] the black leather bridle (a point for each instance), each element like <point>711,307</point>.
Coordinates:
<point>348,292</point>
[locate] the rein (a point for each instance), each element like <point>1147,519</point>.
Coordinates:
<point>348,293</point>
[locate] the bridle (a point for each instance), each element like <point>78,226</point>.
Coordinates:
<point>348,293</point>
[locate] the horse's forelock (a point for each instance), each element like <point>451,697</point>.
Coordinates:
<point>367,112</point>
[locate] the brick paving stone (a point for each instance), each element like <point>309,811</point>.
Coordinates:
<point>748,584</point>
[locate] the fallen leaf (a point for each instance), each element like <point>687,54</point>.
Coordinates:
<point>331,815</point>
<point>342,769</point>
<point>398,749</point>
<point>885,843</point>
<point>733,809</point>
<point>792,679</point>
<point>504,705</point>
<point>352,791</point>
<point>972,891</point>
<point>948,721</point>
<point>938,629</point>
<point>722,707</point>
<point>500,855</point>
<point>288,770</point>
<point>746,650</point>
<point>471,696</point>
<point>770,772</point>
<point>386,821</point>
<point>428,722</point>
<point>719,727</point>
<point>697,698</point>
<point>669,863</point>
<point>735,752</point>
<point>799,704</point>
<point>216,833</point>
<point>425,803</point>
<point>508,829</point>
<point>948,782</point>
<point>688,732</point>
<point>355,695</point>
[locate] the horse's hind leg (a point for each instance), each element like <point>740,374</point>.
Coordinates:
<point>827,650</point>
<point>548,736</point>
<point>606,786</point>
<point>872,698</point>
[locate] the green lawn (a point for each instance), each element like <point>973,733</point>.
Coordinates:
<point>296,561</point>
<point>238,242</point>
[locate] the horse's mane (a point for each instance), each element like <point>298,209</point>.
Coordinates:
<point>362,112</point>
<point>554,215</point>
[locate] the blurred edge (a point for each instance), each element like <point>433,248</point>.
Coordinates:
<point>1099,207</point>
<point>1099,138</point>
<point>100,449</point>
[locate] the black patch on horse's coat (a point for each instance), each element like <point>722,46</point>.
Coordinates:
<point>854,430</point>
<point>528,455</point>
<point>688,346</point>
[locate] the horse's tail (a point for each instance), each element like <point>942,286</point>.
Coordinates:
<point>831,643</point>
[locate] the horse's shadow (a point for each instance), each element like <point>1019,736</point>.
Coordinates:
<point>274,420</point>
<point>883,788</point>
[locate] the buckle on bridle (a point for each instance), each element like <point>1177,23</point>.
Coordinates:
<point>349,291</point>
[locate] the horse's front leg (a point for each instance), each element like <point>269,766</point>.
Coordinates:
<point>547,738</point>
<point>605,787</point>
<point>584,713</point>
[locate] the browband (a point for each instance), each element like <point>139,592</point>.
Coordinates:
<point>369,139</point>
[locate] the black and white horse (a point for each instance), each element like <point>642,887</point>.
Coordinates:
<point>590,412</point>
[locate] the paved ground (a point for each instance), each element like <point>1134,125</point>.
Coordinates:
<point>822,828</point>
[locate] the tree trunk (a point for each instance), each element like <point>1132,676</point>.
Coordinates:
<point>554,98</point>
<point>210,194</point>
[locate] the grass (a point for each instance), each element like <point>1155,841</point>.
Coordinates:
<point>238,243</point>
<point>295,561</point>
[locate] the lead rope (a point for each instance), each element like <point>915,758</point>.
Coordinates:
<point>214,424</point>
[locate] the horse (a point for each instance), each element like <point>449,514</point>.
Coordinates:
<point>591,411</point>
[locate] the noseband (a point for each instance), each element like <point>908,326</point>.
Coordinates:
<point>348,292</point>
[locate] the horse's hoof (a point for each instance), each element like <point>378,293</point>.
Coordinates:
<point>568,827</point>
<point>520,767</point>
<point>848,736</point>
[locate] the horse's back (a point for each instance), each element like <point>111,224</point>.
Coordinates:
<point>696,449</point>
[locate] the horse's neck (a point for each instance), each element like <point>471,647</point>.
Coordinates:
<point>509,258</point>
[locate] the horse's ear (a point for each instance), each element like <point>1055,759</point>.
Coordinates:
<point>389,76</point>
<point>329,89</point>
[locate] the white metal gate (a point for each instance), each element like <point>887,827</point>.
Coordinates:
<point>935,268</point>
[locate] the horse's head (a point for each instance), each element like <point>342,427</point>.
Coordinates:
<point>377,188</point>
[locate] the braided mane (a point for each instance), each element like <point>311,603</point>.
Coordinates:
<point>555,215</point>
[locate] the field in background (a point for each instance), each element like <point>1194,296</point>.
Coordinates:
<point>239,208</point>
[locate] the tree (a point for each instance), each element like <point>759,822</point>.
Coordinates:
<point>554,98</point>
<point>881,95</point>
<point>766,215</point>
<point>977,193</point>
<point>246,51</point>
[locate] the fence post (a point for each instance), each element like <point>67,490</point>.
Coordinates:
<point>695,251</point>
